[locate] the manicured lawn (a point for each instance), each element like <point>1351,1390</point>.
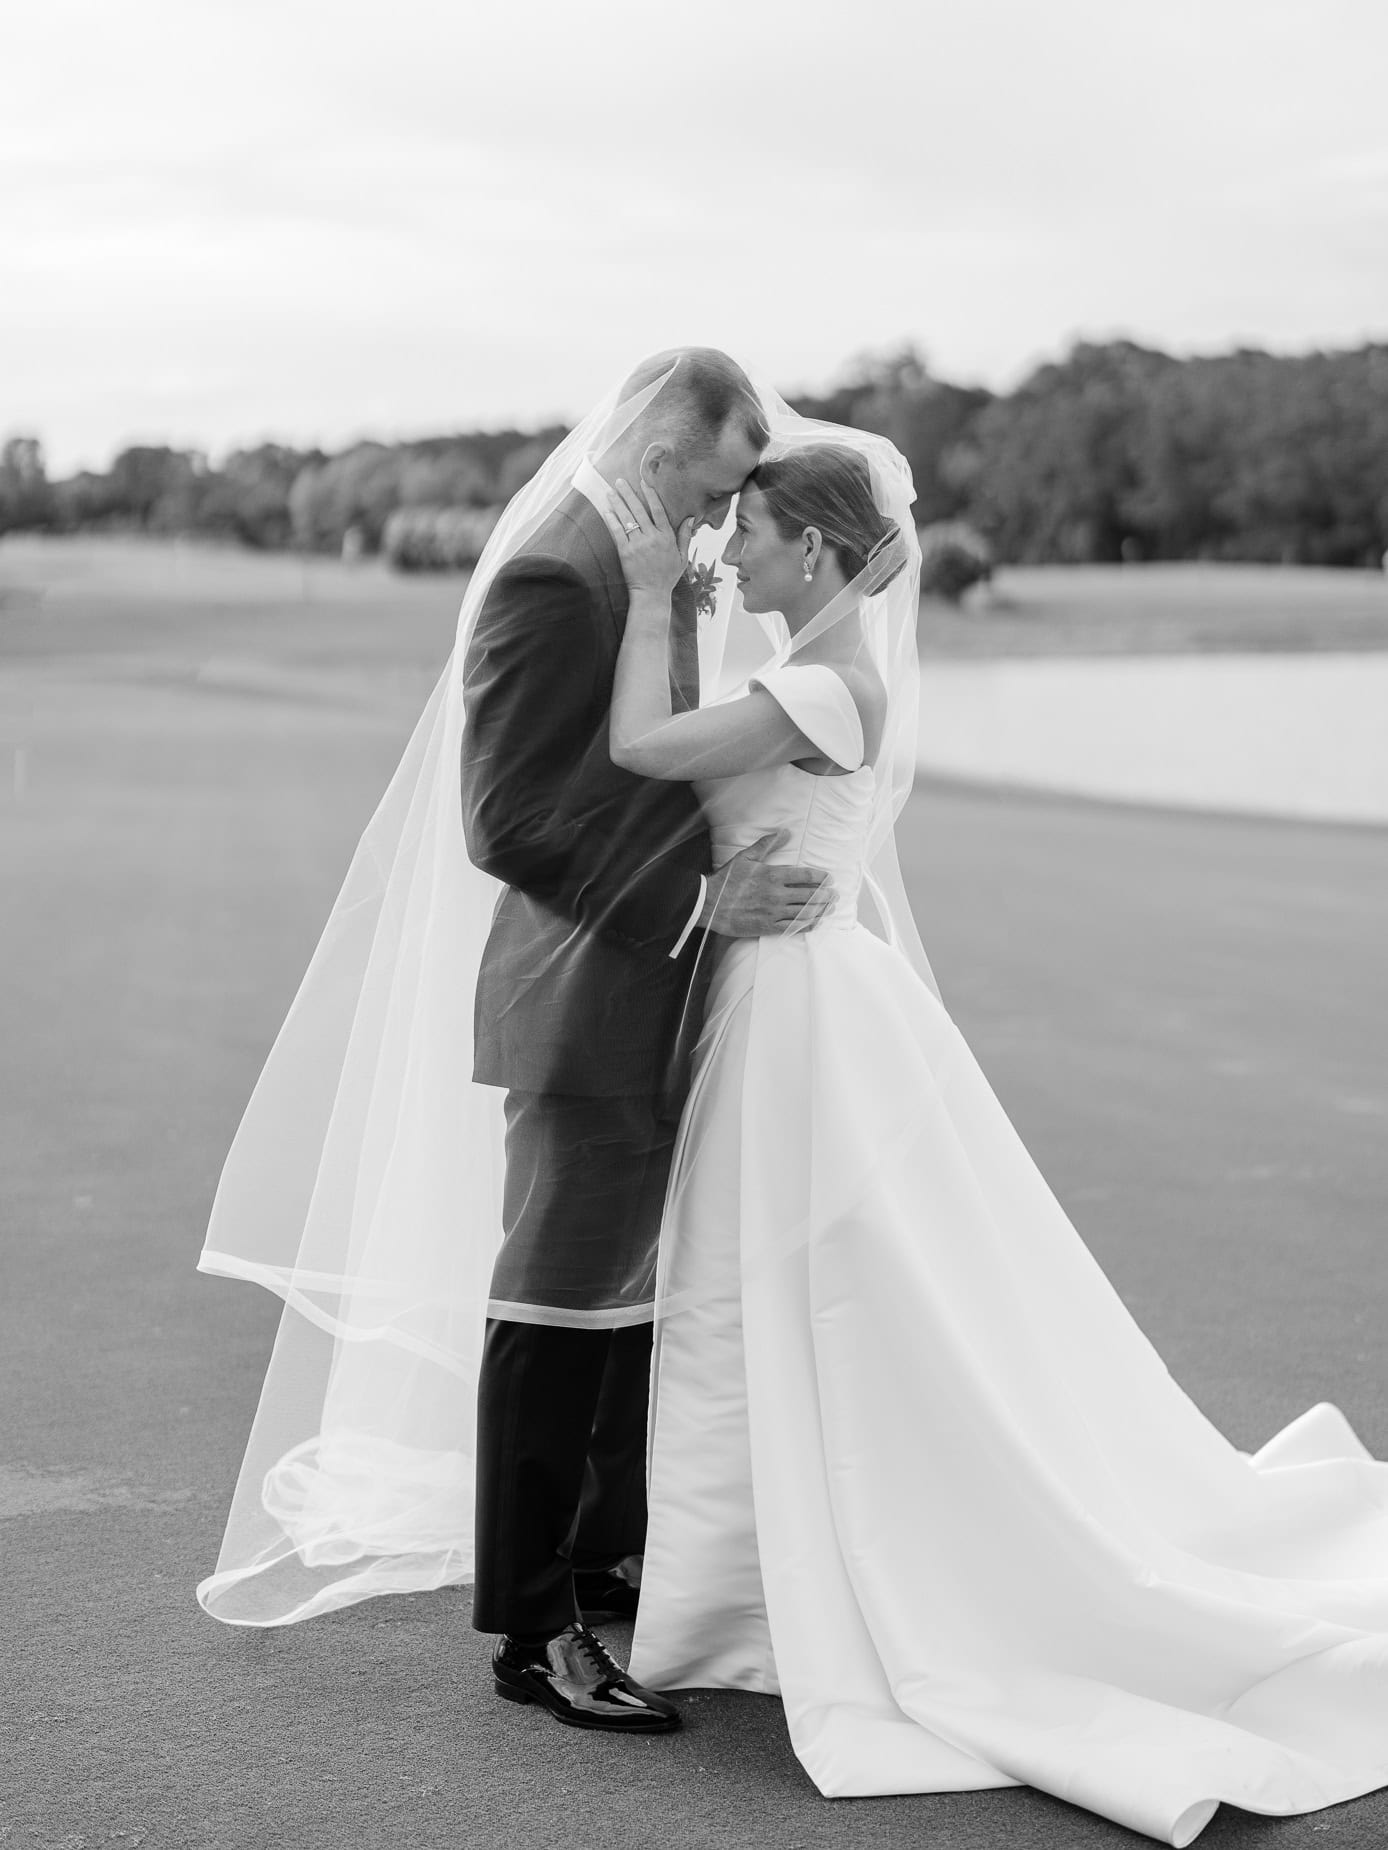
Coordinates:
<point>157,598</point>
<point>1162,610</point>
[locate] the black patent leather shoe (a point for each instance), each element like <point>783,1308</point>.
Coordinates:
<point>609,1592</point>
<point>572,1676</point>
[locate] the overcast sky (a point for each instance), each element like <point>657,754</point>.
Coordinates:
<point>228,219</point>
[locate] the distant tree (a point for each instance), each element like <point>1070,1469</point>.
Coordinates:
<point>895,395</point>
<point>364,485</point>
<point>1115,451</point>
<point>247,499</point>
<point>84,502</point>
<point>155,489</point>
<point>456,479</point>
<point>522,462</point>
<point>359,488</point>
<point>1054,468</point>
<point>1182,454</point>
<point>1309,463</point>
<point>26,496</point>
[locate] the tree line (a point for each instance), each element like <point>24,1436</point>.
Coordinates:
<point>1115,452</point>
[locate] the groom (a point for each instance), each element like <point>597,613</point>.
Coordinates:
<point>589,1000</point>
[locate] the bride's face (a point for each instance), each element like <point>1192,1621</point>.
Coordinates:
<point>770,570</point>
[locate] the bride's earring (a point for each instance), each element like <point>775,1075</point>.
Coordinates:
<point>809,573</point>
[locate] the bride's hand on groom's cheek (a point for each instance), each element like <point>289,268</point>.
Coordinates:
<point>653,555</point>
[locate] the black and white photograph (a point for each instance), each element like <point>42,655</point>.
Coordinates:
<point>694,847</point>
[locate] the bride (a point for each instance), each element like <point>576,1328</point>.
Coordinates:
<point>912,1464</point>
<point>913,1467</point>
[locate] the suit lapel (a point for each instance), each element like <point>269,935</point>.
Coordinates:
<point>607,578</point>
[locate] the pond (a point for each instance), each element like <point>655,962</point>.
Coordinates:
<point>1283,735</point>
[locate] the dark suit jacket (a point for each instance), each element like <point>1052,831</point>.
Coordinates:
<point>577,991</point>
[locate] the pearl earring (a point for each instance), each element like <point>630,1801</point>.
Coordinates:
<point>809,573</point>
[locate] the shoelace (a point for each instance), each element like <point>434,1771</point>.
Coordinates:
<point>598,1653</point>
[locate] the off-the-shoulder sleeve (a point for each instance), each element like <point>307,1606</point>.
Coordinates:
<point>821,706</point>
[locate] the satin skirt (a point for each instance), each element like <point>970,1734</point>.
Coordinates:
<point>914,1467</point>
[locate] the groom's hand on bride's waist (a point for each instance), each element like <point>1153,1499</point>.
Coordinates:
<point>753,897</point>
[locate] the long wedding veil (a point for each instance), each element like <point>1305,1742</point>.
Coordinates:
<point>879,608</point>
<point>870,622</point>
<point>364,1183</point>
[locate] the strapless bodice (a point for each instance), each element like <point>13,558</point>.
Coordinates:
<point>826,819</point>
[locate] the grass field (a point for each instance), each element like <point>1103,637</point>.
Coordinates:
<point>161,604</point>
<point>1162,610</point>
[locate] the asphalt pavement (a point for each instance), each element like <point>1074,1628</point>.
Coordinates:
<point>1184,1016</point>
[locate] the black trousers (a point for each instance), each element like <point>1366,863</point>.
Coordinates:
<point>561,1411</point>
<point>561,1467</point>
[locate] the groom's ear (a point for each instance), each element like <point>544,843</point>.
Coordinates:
<point>653,456</point>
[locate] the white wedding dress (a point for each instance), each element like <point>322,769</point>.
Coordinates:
<point>914,1466</point>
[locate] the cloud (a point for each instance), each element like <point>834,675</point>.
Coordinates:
<point>300,219</point>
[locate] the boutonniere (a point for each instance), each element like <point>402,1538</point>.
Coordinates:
<point>705,584</point>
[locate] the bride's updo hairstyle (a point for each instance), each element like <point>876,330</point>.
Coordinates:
<point>829,487</point>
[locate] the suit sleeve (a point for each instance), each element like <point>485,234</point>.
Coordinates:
<point>529,681</point>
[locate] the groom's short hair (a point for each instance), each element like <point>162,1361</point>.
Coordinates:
<point>706,392</point>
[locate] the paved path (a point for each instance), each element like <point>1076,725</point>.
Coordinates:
<point>1184,1016</point>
